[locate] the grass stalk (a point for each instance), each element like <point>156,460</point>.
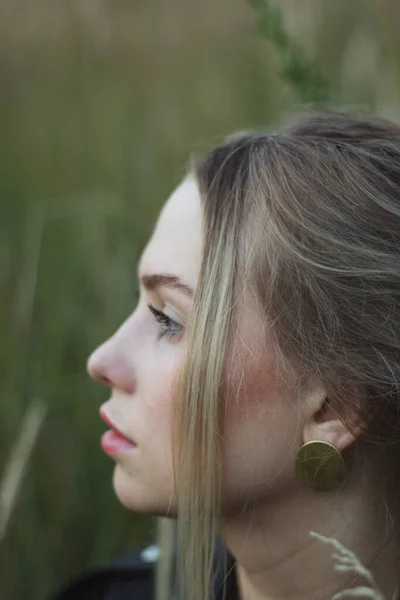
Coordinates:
<point>18,462</point>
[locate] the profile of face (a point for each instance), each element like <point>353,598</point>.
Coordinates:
<point>140,363</point>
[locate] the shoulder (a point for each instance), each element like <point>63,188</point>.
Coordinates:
<point>129,576</point>
<point>132,576</point>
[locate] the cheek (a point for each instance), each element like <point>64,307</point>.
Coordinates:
<point>251,391</point>
<point>259,429</point>
<point>160,396</point>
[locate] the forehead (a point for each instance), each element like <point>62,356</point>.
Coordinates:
<point>175,245</point>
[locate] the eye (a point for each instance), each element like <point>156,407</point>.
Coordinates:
<point>168,327</point>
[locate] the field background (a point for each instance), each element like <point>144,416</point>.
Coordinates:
<point>101,105</point>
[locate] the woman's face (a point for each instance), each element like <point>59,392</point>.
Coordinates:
<point>141,361</point>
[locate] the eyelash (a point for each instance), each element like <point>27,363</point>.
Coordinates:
<point>169,327</point>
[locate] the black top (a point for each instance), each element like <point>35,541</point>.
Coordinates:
<point>131,577</point>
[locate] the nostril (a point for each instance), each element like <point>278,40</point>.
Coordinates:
<point>96,369</point>
<point>97,373</point>
<point>110,368</point>
<point>104,380</point>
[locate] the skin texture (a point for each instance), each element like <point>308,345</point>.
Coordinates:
<point>267,512</point>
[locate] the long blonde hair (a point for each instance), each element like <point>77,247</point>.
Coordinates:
<point>308,219</point>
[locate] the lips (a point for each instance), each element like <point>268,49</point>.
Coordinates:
<point>114,441</point>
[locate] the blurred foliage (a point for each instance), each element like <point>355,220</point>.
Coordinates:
<point>292,64</point>
<point>102,103</point>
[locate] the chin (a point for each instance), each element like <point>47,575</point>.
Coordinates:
<point>138,499</point>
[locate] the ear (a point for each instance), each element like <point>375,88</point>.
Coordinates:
<point>323,424</point>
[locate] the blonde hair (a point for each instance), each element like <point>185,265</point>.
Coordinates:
<point>308,219</point>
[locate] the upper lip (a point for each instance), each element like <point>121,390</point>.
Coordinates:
<point>108,421</point>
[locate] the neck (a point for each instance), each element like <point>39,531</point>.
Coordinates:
<point>277,559</point>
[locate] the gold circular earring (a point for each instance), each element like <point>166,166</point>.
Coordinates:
<point>320,466</point>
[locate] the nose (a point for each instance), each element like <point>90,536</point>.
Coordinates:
<point>108,365</point>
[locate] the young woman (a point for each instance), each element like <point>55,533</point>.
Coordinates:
<point>254,391</point>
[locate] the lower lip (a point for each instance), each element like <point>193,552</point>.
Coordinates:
<point>113,442</point>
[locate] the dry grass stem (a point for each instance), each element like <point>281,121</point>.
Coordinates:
<point>18,462</point>
<point>347,562</point>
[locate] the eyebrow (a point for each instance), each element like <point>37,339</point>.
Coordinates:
<point>151,282</point>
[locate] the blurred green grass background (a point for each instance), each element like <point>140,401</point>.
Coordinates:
<point>101,105</point>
